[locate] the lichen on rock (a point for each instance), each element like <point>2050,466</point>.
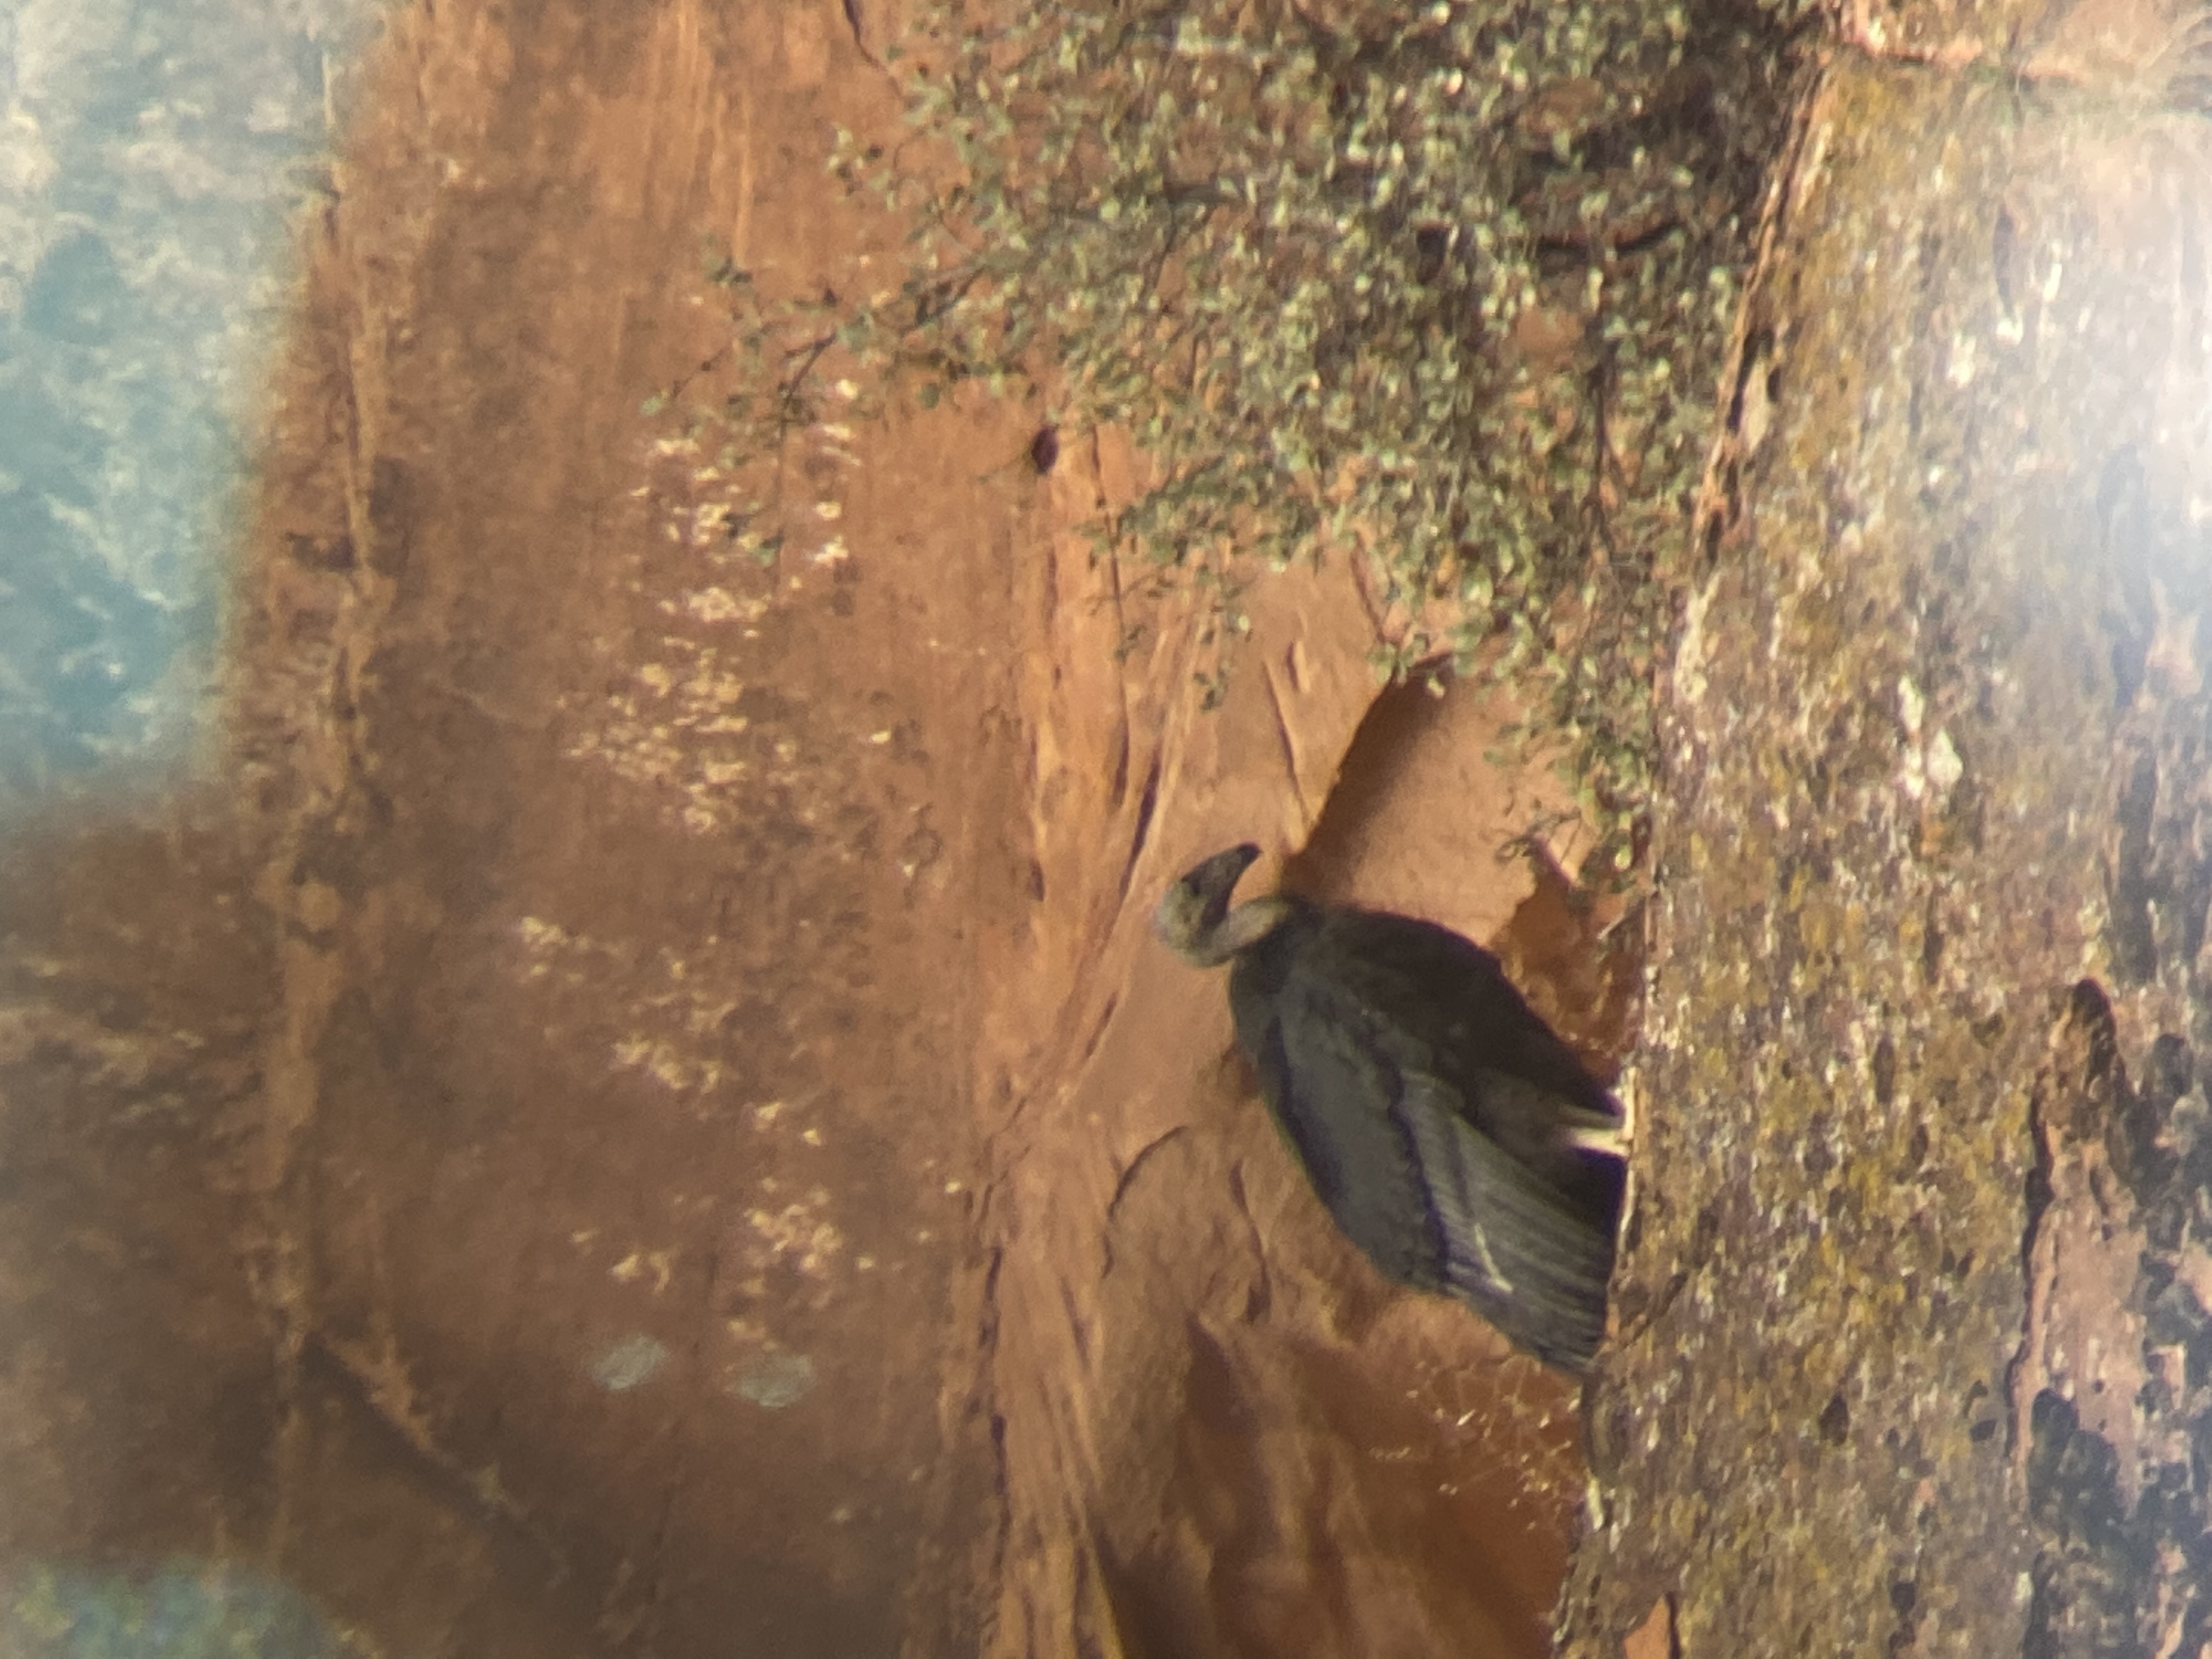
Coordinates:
<point>1931,888</point>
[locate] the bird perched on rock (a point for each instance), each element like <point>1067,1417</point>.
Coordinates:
<point>1451,1133</point>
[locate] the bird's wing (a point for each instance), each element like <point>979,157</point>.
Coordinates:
<point>1330,1095</point>
<point>1520,1254</point>
<point>1433,1201</point>
<point>1446,1003</point>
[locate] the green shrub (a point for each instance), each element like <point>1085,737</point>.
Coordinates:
<point>1446,290</point>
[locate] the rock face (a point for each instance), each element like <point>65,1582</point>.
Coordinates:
<point>1209,1393</point>
<point>633,1110</point>
<point>535,1039</point>
<point>1914,1294</point>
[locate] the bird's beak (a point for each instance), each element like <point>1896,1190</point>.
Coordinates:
<point>1216,877</point>
<point>1192,909</point>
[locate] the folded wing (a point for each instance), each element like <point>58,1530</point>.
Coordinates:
<point>1440,1120</point>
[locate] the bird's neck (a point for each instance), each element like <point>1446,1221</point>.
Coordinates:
<point>1245,925</point>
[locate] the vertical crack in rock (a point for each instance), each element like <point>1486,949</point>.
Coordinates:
<point>1122,1183</point>
<point>2135,951</point>
<point>1288,742</point>
<point>1148,800</point>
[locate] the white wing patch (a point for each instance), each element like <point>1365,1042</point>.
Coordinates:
<point>1513,1246</point>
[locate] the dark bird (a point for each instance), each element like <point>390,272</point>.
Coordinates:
<point>1451,1133</point>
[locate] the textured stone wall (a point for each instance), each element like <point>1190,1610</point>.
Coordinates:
<point>1913,1353</point>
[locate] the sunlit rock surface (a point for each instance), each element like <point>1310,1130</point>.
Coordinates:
<point>1221,1432</point>
<point>1914,1340</point>
<point>632,1110</point>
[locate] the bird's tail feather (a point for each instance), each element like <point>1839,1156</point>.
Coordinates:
<point>1523,1252</point>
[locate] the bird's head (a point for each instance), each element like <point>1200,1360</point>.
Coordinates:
<point>1194,918</point>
